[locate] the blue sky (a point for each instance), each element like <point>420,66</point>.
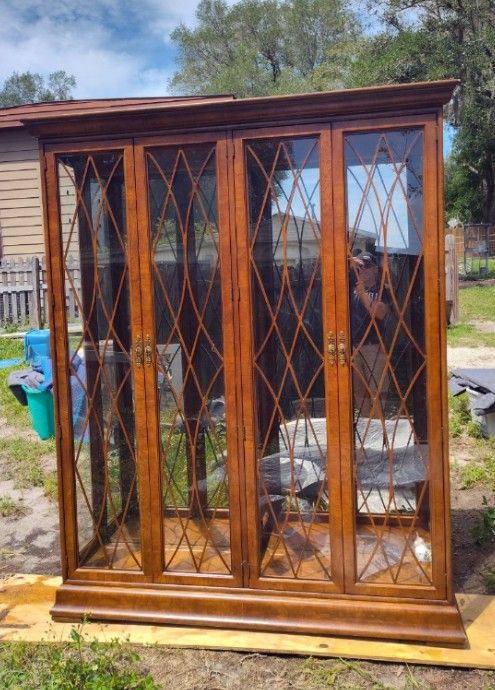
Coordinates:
<point>114,48</point>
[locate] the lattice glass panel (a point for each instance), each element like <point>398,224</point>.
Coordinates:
<point>95,257</point>
<point>184,239</point>
<point>384,189</point>
<point>285,260</point>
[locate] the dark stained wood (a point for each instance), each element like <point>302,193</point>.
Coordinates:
<point>12,117</point>
<point>391,99</point>
<point>329,288</point>
<point>64,474</point>
<point>434,316</point>
<point>59,351</point>
<point>426,621</point>
<point>420,606</point>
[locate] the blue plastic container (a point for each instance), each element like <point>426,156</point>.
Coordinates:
<point>36,345</point>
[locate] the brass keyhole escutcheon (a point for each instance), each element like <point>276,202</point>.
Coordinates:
<point>331,348</point>
<point>342,349</point>
<point>138,352</point>
<point>148,352</point>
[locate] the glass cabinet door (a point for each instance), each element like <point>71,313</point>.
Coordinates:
<point>384,249</point>
<point>101,302</point>
<point>290,488</point>
<point>188,340</point>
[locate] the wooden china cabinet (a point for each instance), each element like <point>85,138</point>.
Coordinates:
<point>251,405</point>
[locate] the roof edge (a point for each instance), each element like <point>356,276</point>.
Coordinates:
<point>224,111</point>
<point>13,116</point>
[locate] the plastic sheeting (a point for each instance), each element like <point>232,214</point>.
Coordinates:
<point>24,377</point>
<point>387,454</point>
<point>481,380</point>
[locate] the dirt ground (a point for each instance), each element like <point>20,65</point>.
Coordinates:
<point>29,544</point>
<point>208,670</point>
<point>471,357</point>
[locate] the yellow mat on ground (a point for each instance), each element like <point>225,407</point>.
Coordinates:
<point>25,601</point>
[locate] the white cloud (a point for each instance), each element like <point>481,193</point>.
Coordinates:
<point>113,48</point>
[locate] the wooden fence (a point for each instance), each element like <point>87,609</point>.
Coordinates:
<point>24,292</point>
<point>459,241</point>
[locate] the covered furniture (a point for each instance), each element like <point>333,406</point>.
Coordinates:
<point>261,434</point>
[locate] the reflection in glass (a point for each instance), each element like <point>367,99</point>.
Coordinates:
<point>285,251</point>
<point>91,193</point>
<point>188,316</point>
<point>384,188</point>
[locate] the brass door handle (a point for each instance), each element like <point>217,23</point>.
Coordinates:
<point>148,351</point>
<point>331,348</point>
<point>138,352</point>
<point>342,349</point>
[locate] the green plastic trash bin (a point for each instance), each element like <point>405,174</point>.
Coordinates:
<point>40,405</point>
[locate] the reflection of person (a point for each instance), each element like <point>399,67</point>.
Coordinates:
<point>368,306</point>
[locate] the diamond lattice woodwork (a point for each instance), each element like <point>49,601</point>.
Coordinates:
<point>184,238</point>
<point>97,280</point>
<point>288,359</point>
<point>388,360</point>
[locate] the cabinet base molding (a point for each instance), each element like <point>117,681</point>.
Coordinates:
<point>426,621</point>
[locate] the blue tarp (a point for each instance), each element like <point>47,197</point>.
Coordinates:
<point>6,363</point>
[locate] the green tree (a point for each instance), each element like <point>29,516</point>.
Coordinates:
<point>31,87</point>
<point>434,39</point>
<point>260,47</point>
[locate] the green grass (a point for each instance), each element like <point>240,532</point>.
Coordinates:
<point>11,347</point>
<point>22,461</point>
<point>50,485</point>
<point>21,456</point>
<point>10,408</point>
<point>480,469</point>
<point>477,473</point>
<point>347,673</point>
<point>76,665</point>
<point>465,335</point>
<point>483,530</point>
<point>477,303</point>
<point>9,507</point>
<point>176,484</point>
<point>459,414</point>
